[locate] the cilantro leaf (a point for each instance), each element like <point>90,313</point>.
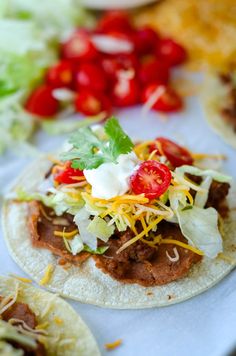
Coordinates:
<point>119,142</point>
<point>90,152</point>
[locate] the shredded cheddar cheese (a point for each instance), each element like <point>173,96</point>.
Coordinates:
<point>113,345</point>
<point>182,244</point>
<point>143,233</point>
<point>22,279</point>
<point>47,275</point>
<point>58,321</point>
<point>226,258</point>
<point>67,235</point>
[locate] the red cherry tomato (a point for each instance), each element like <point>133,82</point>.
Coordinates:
<point>145,40</point>
<point>176,154</point>
<point>79,47</point>
<point>154,71</point>
<point>91,76</point>
<point>68,175</point>
<point>171,52</point>
<point>167,101</point>
<point>151,178</point>
<point>114,21</point>
<point>112,64</point>
<point>60,75</point>
<point>125,91</point>
<point>92,103</point>
<point>42,103</point>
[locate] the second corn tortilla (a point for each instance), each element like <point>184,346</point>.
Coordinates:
<point>213,96</point>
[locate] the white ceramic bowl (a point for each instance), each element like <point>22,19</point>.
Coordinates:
<point>114,4</point>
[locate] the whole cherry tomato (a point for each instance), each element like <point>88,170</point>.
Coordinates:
<point>42,103</point>
<point>151,179</point>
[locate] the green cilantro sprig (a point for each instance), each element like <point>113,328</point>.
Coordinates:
<point>90,152</point>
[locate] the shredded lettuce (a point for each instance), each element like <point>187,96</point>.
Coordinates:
<point>56,18</point>
<point>100,229</point>
<point>219,177</point>
<point>99,251</point>
<point>76,245</point>
<point>24,57</point>
<point>200,227</point>
<point>202,196</point>
<point>60,202</point>
<point>82,220</point>
<point>53,127</point>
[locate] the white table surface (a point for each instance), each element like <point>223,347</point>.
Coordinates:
<point>204,325</point>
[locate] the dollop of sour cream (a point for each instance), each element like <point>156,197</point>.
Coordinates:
<point>112,179</point>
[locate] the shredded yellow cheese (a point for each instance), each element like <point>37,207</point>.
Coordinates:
<point>67,235</point>
<point>143,233</point>
<point>58,321</point>
<point>182,244</point>
<point>113,345</point>
<point>22,279</point>
<point>206,155</point>
<point>42,326</point>
<point>47,275</point>
<point>226,258</point>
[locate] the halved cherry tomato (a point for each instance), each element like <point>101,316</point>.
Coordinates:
<point>176,154</point>
<point>113,64</point>
<point>145,40</point>
<point>42,103</point>
<point>126,90</point>
<point>114,21</point>
<point>92,103</point>
<point>68,175</point>
<point>79,47</point>
<point>168,101</point>
<point>90,76</point>
<point>171,52</point>
<point>151,178</point>
<point>154,71</point>
<point>60,75</point>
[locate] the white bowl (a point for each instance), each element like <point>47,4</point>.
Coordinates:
<point>114,4</point>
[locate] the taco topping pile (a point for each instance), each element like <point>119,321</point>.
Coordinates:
<point>145,212</point>
<point>19,330</point>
